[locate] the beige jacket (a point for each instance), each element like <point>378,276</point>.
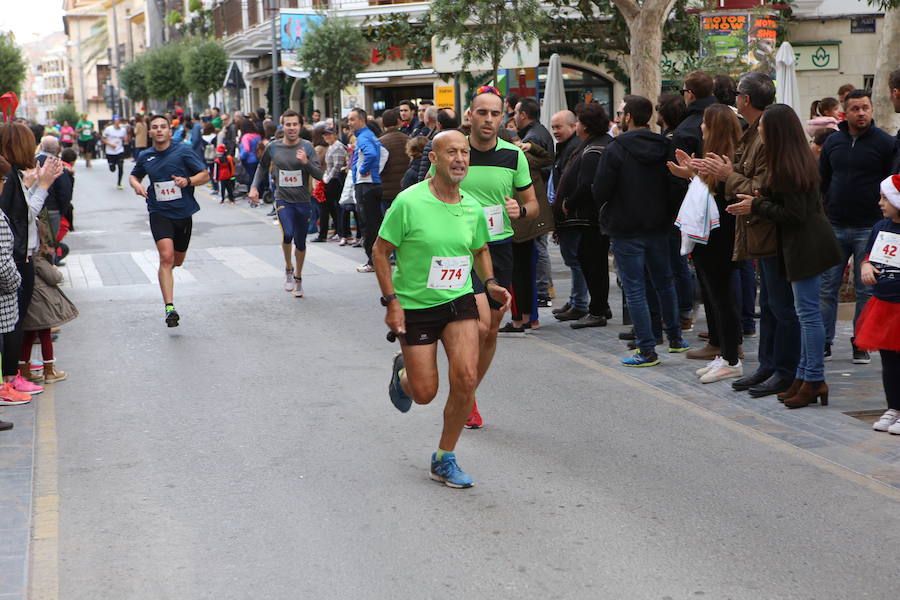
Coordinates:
<point>754,236</point>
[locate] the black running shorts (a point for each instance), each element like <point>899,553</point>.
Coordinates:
<point>177,230</point>
<point>425,325</point>
<point>502,259</point>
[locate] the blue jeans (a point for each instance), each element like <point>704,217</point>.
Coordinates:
<point>568,248</point>
<point>743,278</point>
<point>632,256</point>
<point>812,331</point>
<point>779,329</point>
<point>543,277</point>
<point>852,241</point>
<point>681,271</point>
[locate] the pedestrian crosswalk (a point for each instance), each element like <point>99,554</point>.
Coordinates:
<point>86,271</point>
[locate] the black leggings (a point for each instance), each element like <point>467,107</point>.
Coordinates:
<point>329,208</point>
<point>593,254</point>
<point>116,160</point>
<point>368,201</point>
<point>890,374</point>
<point>12,341</point>
<point>722,316</point>
<point>226,186</point>
<point>522,280</point>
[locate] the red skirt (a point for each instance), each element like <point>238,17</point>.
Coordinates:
<point>878,326</point>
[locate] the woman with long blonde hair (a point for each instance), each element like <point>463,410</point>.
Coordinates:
<point>721,132</point>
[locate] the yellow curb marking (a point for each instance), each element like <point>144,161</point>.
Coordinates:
<point>44,572</point>
<point>819,461</point>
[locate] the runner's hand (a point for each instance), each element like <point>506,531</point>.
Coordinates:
<point>181,181</point>
<point>512,208</point>
<point>869,274</point>
<point>395,318</point>
<point>499,294</point>
<point>301,156</point>
<point>139,190</point>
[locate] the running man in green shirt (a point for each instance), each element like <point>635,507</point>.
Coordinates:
<point>85,131</point>
<point>438,235</point>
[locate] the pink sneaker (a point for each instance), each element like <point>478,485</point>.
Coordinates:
<point>9,396</point>
<point>20,384</point>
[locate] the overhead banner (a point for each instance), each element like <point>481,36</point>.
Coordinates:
<point>294,25</point>
<point>749,36</point>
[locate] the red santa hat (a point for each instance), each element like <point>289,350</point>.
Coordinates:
<point>890,187</point>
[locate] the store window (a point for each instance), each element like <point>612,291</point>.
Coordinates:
<point>384,98</point>
<point>581,85</point>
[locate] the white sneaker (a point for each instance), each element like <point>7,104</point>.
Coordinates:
<point>711,365</point>
<point>723,371</point>
<point>366,268</point>
<point>289,281</point>
<point>895,428</point>
<point>298,288</point>
<point>886,420</point>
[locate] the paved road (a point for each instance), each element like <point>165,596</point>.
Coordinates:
<point>253,453</point>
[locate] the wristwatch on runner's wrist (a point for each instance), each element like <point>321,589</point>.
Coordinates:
<point>489,280</point>
<point>385,300</point>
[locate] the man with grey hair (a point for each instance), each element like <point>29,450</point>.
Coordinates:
<point>59,196</point>
<point>754,238</point>
<point>430,115</point>
<point>49,146</point>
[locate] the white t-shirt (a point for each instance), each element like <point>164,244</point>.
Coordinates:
<point>117,137</point>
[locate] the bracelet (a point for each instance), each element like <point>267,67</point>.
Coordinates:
<point>489,280</point>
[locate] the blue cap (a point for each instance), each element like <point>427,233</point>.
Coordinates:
<point>115,117</point>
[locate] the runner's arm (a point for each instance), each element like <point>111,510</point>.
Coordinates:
<point>484,268</point>
<point>312,167</point>
<point>137,186</point>
<point>528,200</point>
<point>381,253</point>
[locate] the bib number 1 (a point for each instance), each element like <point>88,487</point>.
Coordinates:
<point>886,249</point>
<point>448,272</point>
<point>494,217</point>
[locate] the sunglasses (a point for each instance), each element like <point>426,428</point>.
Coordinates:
<point>487,89</point>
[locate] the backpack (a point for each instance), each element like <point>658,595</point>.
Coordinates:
<point>209,152</point>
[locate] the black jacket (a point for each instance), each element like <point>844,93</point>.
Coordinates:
<point>574,205</point>
<point>15,207</point>
<point>688,135</point>
<point>852,173</point>
<point>59,196</point>
<point>896,168</point>
<point>563,152</point>
<point>536,133</point>
<point>633,189</point>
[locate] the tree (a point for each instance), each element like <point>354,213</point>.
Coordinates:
<point>205,65</point>
<point>133,78</point>
<point>888,51</point>
<point>12,65</point>
<point>333,52</point>
<point>645,22</point>
<point>66,112</point>
<point>486,29</point>
<point>164,75</point>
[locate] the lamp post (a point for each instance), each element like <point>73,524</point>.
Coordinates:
<point>274,5</point>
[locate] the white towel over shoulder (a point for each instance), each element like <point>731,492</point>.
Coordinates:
<point>697,217</point>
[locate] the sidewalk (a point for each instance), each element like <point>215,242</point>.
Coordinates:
<point>16,489</point>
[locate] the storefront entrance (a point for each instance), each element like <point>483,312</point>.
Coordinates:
<point>581,85</point>
<point>384,98</point>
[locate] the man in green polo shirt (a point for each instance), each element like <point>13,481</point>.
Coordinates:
<point>499,180</point>
<point>85,130</point>
<point>438,235</point>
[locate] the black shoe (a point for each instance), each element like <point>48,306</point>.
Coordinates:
<point>589,320</point>
<point>745,383</point>
<point>271,213</point>
<point>172,318</point>
<point>860,357</point>
<point>572,314</point>
<point>544,302</point>
<point>773,385</point>
<point>5,425</point>
<point>358,244</point>
<point>608,314</point>
<point>632,345</point>
<point>320,240</point>
<point>511,330</point>
<point>749,332</point>
<point>827,351</point>
<point>565,307</point>
<point>626,335</point>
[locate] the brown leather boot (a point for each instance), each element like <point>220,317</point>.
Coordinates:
<point>51,373</point>
<point>29,375</point>
<point>791,391</point>
<point>707,352</point>
<point>809,393</point>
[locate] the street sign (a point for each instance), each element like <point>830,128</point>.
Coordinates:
<point>818,57</point>
<point>862,25</point>
<point>447,60</point>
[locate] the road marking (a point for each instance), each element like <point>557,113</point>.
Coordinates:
<point>329,261</point>
<point>148,261</point>
<point>643,386</point>
<point>81,272</point>
<point>243,263</point>
<point>44,572</point>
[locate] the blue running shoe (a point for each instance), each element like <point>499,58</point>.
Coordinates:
<point>448,472</point>
<point>398,396</point>
<point>678,345</point>
<point>641,360</point>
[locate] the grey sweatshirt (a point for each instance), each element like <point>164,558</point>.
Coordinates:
<point>291,177</point>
